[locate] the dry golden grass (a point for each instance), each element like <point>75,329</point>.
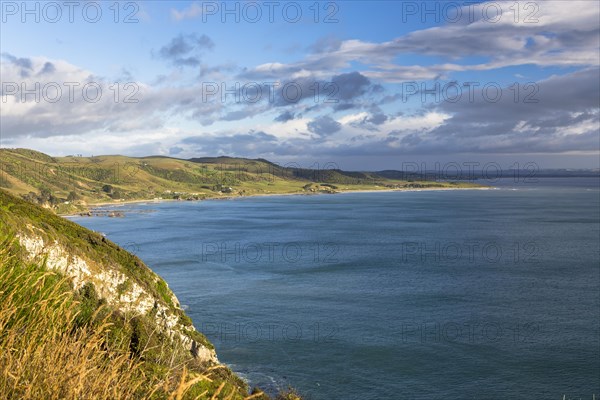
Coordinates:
<point>42,356</point>
<point>46,354</point>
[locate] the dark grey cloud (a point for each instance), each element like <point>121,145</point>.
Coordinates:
<point>324,126</point>
<point>238,144</point>
<point>346,88</point>
<point>372,121</point>
<point>18,61</point>
<point>185,50</point>
<point>252,144</point>
<point>350,85</point>
<point>243,112</point>
<point>285,117</point>
<point>235,115</point>
<point>411,140</point>
<point>294,91</point>
<point>24,64</point>
<point>341,92</point>
<point>564,118</point>
<point>377,119</point>
<point>48,68</point>
<point>545,100</point>
<point>215,70</point>
<point>175,150</point>
<point>326,44</point>
<point>344,106</point>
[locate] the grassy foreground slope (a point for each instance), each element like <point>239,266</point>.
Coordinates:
<point>80,318</point>
<point>68,184</point>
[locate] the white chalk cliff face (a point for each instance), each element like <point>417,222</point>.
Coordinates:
<point>113,286</point>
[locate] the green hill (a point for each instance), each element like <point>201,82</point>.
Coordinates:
<point>82,318</point>
<point>71,184</point>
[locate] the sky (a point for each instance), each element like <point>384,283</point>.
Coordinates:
<point>363,85</point>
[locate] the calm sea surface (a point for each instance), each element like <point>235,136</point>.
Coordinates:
<point>405,295</point>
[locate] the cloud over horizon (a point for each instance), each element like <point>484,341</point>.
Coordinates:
<point>338,97</point>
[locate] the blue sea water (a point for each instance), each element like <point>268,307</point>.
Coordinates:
<point>467,294</point>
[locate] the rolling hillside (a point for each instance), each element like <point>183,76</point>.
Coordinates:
<point>70,184</point>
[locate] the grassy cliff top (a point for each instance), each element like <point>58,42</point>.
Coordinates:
<point>19,217</point>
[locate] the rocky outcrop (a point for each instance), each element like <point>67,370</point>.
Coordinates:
<point>117,288</point>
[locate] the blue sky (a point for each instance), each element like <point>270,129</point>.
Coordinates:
<point>388,76</point>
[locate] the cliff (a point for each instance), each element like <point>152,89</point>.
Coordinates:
<point>114,295</point>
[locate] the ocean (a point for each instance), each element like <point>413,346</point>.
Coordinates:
<point>465,294</point>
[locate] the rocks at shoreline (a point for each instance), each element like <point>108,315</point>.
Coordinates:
<point>102,213</point>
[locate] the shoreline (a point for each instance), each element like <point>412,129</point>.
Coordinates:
<point>93,206</point>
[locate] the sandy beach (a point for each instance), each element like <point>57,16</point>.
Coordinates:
<point>119,203</point>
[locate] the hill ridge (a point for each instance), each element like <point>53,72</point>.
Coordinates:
<point>71,184</point>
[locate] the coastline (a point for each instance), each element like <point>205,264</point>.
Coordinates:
<point>91,207</point>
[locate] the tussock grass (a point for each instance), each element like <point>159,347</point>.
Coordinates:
<point>47,351</point>
<point>42,356</point>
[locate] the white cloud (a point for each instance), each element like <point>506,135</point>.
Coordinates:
<point>566,34</point>
<point>73,101</point>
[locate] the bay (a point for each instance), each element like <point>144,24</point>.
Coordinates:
<point>466,294</point>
